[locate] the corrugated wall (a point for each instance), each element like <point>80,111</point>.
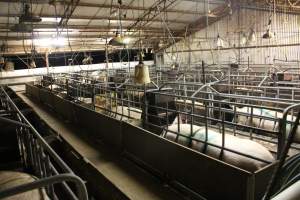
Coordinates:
<point>231,29</point>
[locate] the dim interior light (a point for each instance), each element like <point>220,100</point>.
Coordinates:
<point>51,19</point>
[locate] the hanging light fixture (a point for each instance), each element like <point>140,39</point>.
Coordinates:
<point>208,12</point>
<point>220,42</point>
<point>32,64</point>
<point>268,34</point>
<point>251,37</point>
<point>119,39</point>
<point>87,59</point>
<point>243,39</point>
<point>141,72</point>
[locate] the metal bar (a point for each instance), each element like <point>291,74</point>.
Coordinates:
<point>46,181</point>
<point>283,155</point>
<point>11,121</point>
<point>151,13</point>
<point>33,146</point>
<point>114,6</point>
<point>68,12</point>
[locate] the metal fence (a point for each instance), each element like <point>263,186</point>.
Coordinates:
<point>38,156</point>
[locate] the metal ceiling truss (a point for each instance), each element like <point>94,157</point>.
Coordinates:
<point>53,26</point>
<point>68,12</point>
<point>114,6</point>
<point>203,22</point>
<point>97,18</point>
<point>83,37</point>
<point>151,13</point>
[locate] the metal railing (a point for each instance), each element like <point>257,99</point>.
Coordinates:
<point>210,113</point>
<point>38,156</point>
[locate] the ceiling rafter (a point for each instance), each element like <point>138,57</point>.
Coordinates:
<point>114,6</point>
<point>97,18</point>
<point>151,13</point>
<point>201,23</point>
<point>68,12</point>
<point>100,27</point>
<point>141,27</point>
<point>4,30</point>
<point>28,37</point>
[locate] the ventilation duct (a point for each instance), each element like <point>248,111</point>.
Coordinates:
<point>251,37</point>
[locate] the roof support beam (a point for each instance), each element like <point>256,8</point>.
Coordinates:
<point>53,26</point>
<point>114,6</point>
<point>221,12</point>
<point>151,13</point>
<point>74,37</point>
<point>68,12</point>
<point>97,18</point>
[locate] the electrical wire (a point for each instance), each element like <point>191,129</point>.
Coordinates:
<point>169,32</point>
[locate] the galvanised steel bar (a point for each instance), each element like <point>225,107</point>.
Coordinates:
<point>221,123</point>
<point>151,13</point>
<point>45,182</point>
<point>14,122</point>
<point>283,155</point>
<point>37,150</point>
